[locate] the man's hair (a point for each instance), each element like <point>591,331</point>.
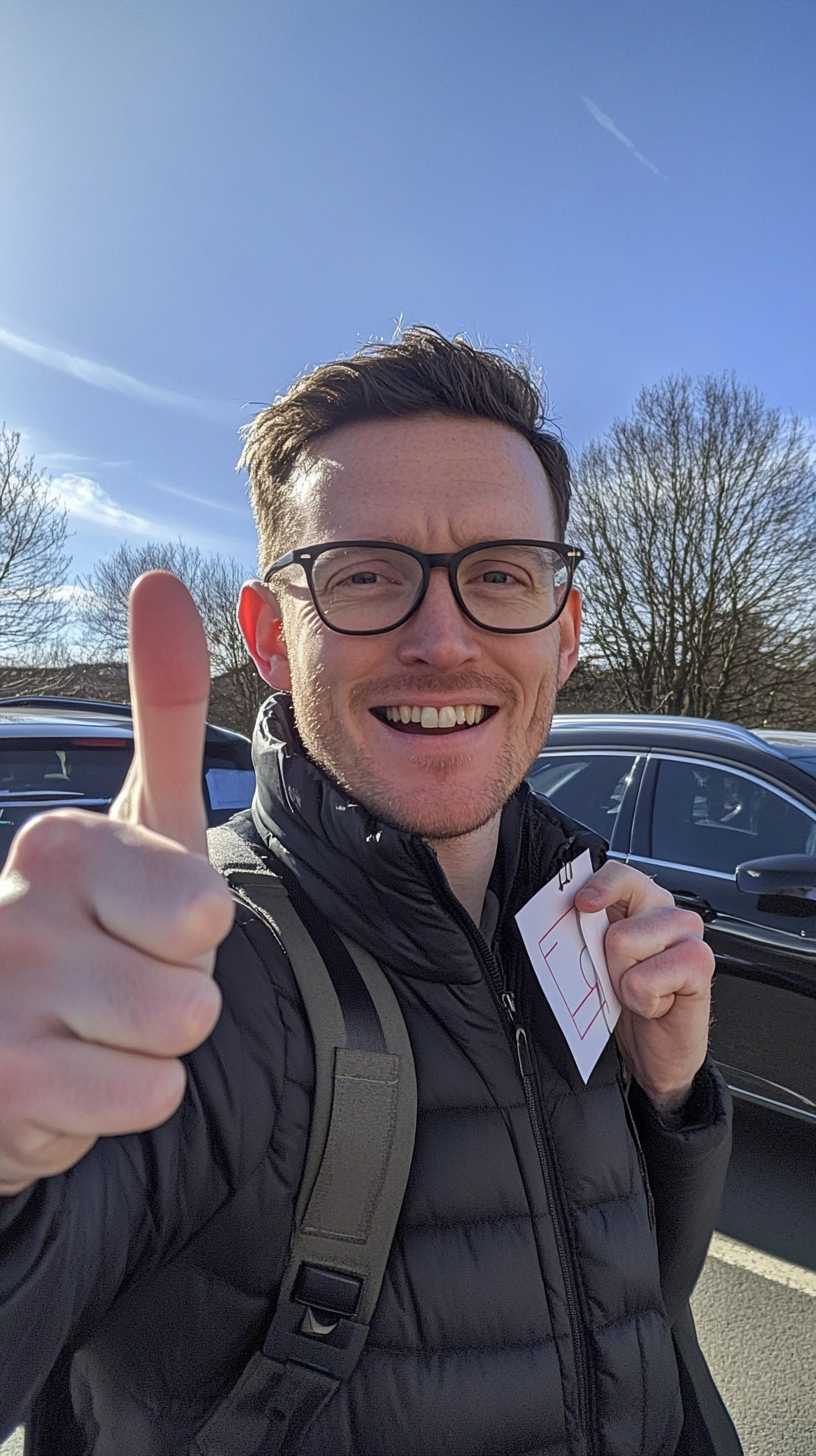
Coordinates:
<point>421,372</point>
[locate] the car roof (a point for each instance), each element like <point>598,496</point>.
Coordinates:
<point>728,740</point>
<point>656,726</point>
<point>55,717</point>
<point>43,717</point>
<point>798,745</point>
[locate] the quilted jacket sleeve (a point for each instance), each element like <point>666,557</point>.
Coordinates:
<point>686,1161</point>
<point>69,1245</point>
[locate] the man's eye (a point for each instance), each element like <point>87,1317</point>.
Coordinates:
<point>363,578</point>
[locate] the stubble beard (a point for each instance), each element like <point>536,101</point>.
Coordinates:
<point>441,815</point>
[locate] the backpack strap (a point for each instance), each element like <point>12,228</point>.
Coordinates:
<point>358,1159</point>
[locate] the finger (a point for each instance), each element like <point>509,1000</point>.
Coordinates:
<point>169,684</point>
<point>80,1090</point>
<point>621,890</point>
<point>145,891</point>
<point>642,936</point>
<point>131,1002</point>
<point>680,974</point>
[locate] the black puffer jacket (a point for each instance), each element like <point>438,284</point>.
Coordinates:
<point>524,1310</point>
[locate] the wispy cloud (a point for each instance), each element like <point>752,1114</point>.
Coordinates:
<point>202,500</point>
<point>85,500</point>
<point>104,376</point>
<point>91,507</point>
<point>608,125</point>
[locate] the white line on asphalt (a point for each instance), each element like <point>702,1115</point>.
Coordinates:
<point>729,1251</point>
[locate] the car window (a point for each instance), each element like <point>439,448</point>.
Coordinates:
<point>710,818</point>
<point>587,786</point>
<point>63,767</point>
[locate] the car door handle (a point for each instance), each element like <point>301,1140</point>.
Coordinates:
<point>687,900</point>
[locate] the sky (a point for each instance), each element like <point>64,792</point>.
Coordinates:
<point>200,201</point>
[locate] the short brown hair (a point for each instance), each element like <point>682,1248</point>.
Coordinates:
<point>421,372</point>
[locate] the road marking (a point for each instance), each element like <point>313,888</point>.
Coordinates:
<point>729,1251</point>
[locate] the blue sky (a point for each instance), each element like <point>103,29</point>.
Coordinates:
<point>198,201</point>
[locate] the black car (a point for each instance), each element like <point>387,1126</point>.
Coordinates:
<point>58,752</point>
<point>725,819</point>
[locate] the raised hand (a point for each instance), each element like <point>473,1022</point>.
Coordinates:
<point>661,970</point>
<point>108,927</point>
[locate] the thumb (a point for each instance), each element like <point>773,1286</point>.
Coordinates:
<point>170,685</point>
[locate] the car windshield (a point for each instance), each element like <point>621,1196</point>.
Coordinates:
<point>63,767</point>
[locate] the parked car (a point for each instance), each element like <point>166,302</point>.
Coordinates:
<point>725,819</point>
<point>57,752</point>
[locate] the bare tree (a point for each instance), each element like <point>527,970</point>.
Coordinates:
<point>213,582</point>
<point>102,601</point>
<point>33,559</point>
<point>698,516</point>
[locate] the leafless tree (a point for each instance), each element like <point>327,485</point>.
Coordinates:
<point>33,559</point>
<point>698,516</point>
<point>214,583</point>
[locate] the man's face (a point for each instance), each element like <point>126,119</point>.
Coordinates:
<point>436,484</point>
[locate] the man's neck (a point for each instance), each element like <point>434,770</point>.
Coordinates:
<point>468,864</point>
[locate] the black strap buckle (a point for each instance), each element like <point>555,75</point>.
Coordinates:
<point>328,1289</point>
<point>296,1333</point>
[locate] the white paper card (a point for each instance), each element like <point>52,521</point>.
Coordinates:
<point>566,948</point>
<point>230,788</point>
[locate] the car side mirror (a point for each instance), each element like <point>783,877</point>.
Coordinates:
<point>782,874</point>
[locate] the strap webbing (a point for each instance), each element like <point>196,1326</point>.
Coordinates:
<point>357,1164</point>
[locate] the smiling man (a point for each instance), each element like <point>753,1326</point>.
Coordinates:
<point>416,617</point>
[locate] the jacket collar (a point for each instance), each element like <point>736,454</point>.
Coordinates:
<point>384,888</point>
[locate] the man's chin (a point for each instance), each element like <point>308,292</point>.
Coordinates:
<point>433,797</point>
<point>441,812</point>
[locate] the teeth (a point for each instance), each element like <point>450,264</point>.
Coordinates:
<point>447,717</point>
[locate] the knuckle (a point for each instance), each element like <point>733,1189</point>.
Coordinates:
<point>206,912</point>
<point>173,1013</point>
<point>695,924</point>
<point>55,840</point>
<point>158,1094</point>
<point>201,1010</point>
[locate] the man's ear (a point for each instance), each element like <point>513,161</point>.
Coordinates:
<point>260,620</point>
<point>570,624</point>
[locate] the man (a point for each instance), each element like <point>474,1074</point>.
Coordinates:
<point>551,1233</point>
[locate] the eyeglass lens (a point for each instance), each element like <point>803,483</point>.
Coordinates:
<point>511,587</point>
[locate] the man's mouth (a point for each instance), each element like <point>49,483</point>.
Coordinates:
<point>420,718</point>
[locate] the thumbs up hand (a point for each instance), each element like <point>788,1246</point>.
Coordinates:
<point>109,927</point>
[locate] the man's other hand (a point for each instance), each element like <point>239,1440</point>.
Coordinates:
<point>108,927</point>
<point>661,970</point>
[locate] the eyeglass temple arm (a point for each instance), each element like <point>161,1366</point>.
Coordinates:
<point>287,560</point>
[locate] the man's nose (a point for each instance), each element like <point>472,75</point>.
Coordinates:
<point>438,633</point>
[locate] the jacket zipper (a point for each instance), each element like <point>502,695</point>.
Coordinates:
<point>518,1037</point>
<point>526,1070</point>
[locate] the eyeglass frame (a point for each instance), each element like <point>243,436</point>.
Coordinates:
<point>305,557</point>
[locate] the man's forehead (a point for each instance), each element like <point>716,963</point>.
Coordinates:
<point>384,468</point>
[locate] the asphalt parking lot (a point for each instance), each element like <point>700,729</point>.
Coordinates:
<point>755,1304</point>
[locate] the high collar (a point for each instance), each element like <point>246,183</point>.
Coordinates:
<point>382,887</point>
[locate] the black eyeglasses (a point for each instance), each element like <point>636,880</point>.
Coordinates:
<point>364,587</point>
